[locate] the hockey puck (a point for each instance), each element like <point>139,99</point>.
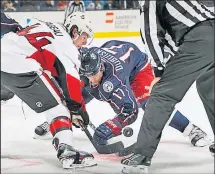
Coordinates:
<point>128,132</point>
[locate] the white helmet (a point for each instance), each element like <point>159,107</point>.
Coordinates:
<point>79,20</point>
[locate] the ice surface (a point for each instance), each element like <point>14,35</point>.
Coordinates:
<point>20,153</point>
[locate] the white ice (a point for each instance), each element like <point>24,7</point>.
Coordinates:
<point>20,153</point>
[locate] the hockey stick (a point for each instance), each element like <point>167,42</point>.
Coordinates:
<point>102,149</point>
<point>92,125</point>
<point>126,151</point>
<point>123,151</point>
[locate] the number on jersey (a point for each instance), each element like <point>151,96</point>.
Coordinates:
<point>33,37</point>
<point>123,57</point>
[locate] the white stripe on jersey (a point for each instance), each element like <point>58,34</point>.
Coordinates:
<point>142,26</point>
<point>153,30</point>
<point>198,6</point>
<point>191,10</point>
<point>171,42</point>
<point>167,49</point>
<point>178,16</point>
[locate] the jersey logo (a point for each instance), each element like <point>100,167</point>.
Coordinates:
<point>93,56</point>
<point>39,104</point>
<point>108,86</point>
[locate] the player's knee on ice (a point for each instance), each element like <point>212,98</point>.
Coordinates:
<point>6,94</point>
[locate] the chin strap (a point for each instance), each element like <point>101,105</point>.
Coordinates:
<point>74,39</point>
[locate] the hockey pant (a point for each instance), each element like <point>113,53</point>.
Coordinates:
<point>37,90</point>
<point>194,61</point>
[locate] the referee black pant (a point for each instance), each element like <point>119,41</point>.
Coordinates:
<point>193,61</point>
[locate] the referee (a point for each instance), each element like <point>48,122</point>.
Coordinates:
<point>191,27</point>
<point>74,6</point>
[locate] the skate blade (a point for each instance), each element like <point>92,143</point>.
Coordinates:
<point>68,164</point>
<point>203,142</point>
<point>3,102</point>
<point>47,136</point>
<point>140,169</point>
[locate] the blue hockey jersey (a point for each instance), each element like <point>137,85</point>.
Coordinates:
<point>122,61</point>
<point>8,24</point>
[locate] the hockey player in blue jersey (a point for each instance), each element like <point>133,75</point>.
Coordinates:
<point>120,74</point>
<point>8,25</point>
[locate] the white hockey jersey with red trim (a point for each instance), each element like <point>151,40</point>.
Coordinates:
<point>47,46</point>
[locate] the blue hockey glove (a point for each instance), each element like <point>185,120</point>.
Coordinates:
<point>107,130</point>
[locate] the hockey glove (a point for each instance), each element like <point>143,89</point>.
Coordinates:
<point>107,130</point>
<point>80,115</point>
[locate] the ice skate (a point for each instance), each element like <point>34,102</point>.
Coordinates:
<point>72,159</point>
<point>197,136</point>
<point>212,149</point>
<point>42,131</point>
<point>136,164</point>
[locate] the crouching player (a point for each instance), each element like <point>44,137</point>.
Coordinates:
<point>119,73</point>
<point>41,52</point>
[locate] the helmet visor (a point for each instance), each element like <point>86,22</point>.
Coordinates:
<point>89,71</point>
<point>89,37</point>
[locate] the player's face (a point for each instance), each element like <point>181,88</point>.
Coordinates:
<point>96,79</point>
<point>81,40</point>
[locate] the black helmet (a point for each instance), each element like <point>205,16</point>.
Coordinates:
<point>90,62</point>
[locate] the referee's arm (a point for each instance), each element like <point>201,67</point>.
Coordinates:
<point>153,35</point>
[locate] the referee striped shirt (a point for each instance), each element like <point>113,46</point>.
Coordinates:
<point>165,22</point>
<point>73,7</point>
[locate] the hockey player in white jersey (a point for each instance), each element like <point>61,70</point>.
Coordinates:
<point>31,58</point>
